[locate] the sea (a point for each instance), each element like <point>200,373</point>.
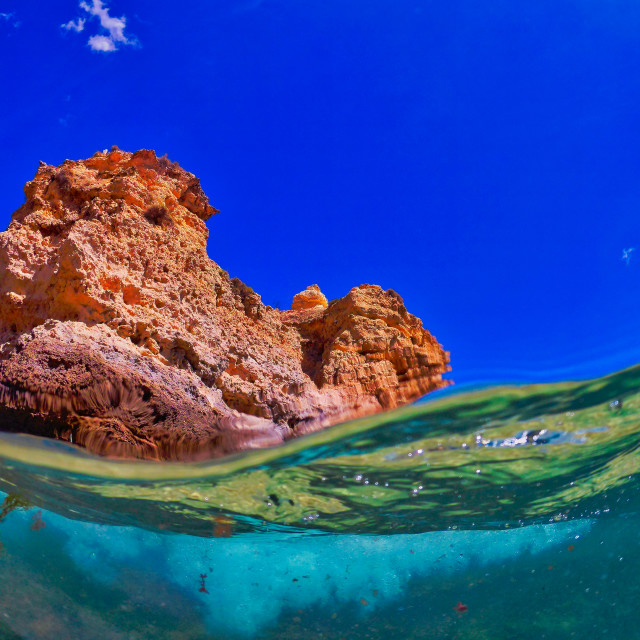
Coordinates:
<point>499,513</point>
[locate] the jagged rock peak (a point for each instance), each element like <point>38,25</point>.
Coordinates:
<point>139,179</point>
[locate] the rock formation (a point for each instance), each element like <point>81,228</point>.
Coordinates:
<point>120,334</point>
<point>310,298</point>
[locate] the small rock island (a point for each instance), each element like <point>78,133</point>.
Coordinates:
<point>118,333</point>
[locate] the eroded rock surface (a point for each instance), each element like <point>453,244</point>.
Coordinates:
<point>310,298</point>
<point>119,333</point>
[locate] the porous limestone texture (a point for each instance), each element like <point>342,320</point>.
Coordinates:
<point>120,334</point>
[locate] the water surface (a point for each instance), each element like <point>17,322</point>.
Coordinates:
<point>509,512</point>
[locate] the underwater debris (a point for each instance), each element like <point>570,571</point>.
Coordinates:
<point>222,528</point>
<point>461,608</point>
<point>203,589</point>
<point>37,522</point>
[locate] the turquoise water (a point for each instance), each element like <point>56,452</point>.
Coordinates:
<point>510,513</point>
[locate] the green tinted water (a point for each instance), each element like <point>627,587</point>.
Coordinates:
<point>519,503</point>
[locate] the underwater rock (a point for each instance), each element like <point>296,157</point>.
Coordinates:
<point>119,333</point>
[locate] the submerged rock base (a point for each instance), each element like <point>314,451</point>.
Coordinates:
<point>120,334</point>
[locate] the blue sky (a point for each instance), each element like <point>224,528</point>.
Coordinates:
<point>479,158</point>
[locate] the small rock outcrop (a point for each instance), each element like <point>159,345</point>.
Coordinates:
<point>120,334</point>
<point>310,298</point>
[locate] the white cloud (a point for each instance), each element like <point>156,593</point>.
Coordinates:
<point>111,34</point>
<point>9,18</point>
<point>76,26</point>
<point>101,43</point>
<point>115,26</point>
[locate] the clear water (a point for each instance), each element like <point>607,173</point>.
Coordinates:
<point>504,513</point>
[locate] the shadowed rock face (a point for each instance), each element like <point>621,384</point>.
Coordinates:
<point>118,333</point>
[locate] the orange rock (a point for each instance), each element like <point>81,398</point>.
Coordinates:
<point>310,298</point>
<point>117,331</point>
